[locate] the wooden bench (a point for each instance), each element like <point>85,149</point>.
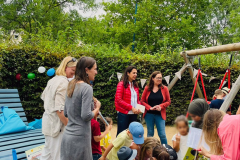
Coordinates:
<point>21,141</point>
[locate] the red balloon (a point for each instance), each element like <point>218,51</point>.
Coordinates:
<point>18,76</point>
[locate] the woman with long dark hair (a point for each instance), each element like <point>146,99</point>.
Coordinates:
<point>79,108</point>
<point>127,98</point>
<point>156,99</point>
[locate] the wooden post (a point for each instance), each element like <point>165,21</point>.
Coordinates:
<point>190,69</point>
<point>215,49</point>
<point>228,101</point>
<point>175,79</point>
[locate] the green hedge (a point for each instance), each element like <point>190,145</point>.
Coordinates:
<point>28,60</point>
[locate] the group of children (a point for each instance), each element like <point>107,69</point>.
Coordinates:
<point>131,145</point>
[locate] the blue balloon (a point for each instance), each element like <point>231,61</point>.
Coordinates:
<point>51,72</point>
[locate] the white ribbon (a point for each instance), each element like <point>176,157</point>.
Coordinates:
<point>119,75</point>
<point>195,72</point>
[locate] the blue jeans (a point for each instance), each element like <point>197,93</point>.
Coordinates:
<point>96,156</point>
<point>152,119</point>
<point>124,121</point>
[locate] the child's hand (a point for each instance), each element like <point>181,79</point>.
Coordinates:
<point>134,146</point>
<point>108,128</point>
<point>102,158</point>
<point>178,137</point>
<point>98,104</point>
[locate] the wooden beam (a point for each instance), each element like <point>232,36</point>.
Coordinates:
<point>190,69</point>
<point>215,49</point>
<point>228,101</point>
<point>175,79</point>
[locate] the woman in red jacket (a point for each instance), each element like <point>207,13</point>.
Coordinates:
<point>156,99</point>
<point>127,98</point>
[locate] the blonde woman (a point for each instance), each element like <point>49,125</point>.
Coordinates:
<point>221,132</point>
<point>53,120</point>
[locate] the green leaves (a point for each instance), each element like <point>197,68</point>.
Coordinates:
<point>110,60</point>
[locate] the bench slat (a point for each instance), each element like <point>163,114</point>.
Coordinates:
<point>21,140</point>
<point>10,100</point>
<point>20,145</point>
<point>17,109</point>
<point>9,95</point>
<point>21,136</point>
<point>3,91</point>
<point>21,133</point>
<point>12,105</point>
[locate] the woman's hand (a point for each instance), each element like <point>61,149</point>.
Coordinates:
<point>157,108</point>
<point>204,152</point>
<point>135,111</point>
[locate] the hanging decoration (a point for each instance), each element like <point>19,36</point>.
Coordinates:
<point>178,74</point>
<point>119,75</point>
<point>143,81</point>
<point>51,72</point>
<point>195,72</point>
<point>167,78</point>
<point>204,74</point>
<point>111,76</point>
<point>18,76</point>
<point>41,69</point>
<point>31,76</point>
<point>212,78</point>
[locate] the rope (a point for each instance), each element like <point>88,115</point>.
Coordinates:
<point>195,86</point>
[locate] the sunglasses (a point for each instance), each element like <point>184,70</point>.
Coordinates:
<point>72,60</point>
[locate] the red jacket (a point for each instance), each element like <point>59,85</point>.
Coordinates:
<point>166,100</point>
<point>123,98</point>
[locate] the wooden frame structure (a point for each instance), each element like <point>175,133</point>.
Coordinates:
<point>210,50</point>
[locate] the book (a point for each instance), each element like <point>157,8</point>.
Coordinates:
<point>192,154</point>
<point>35,153</point>
<point>141,108</point>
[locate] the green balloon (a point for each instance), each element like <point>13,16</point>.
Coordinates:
<point>31,75</point>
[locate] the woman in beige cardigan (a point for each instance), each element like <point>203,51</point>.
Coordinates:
<point>53,120</point>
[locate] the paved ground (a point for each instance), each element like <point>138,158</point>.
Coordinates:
<point>170,131</point>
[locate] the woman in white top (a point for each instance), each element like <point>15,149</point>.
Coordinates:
<point>53,120</point>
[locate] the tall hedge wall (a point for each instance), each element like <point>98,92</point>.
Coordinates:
<point>24,61</point>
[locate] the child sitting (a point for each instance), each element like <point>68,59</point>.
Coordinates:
<point>217,103</point>
<point>180,139</point>
<point>147,148</point>
<point>135,133</point>
<point>105,141</point>
<point>96,137</point>
<point>126,153</point>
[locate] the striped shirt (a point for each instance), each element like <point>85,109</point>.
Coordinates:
<point>133,97</point>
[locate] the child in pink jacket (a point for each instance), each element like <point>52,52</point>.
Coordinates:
<point>222,134</point>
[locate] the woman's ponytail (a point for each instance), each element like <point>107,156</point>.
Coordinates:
<point>71,87</point>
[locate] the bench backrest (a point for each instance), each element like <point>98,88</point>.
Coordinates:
<point>10,98</point>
